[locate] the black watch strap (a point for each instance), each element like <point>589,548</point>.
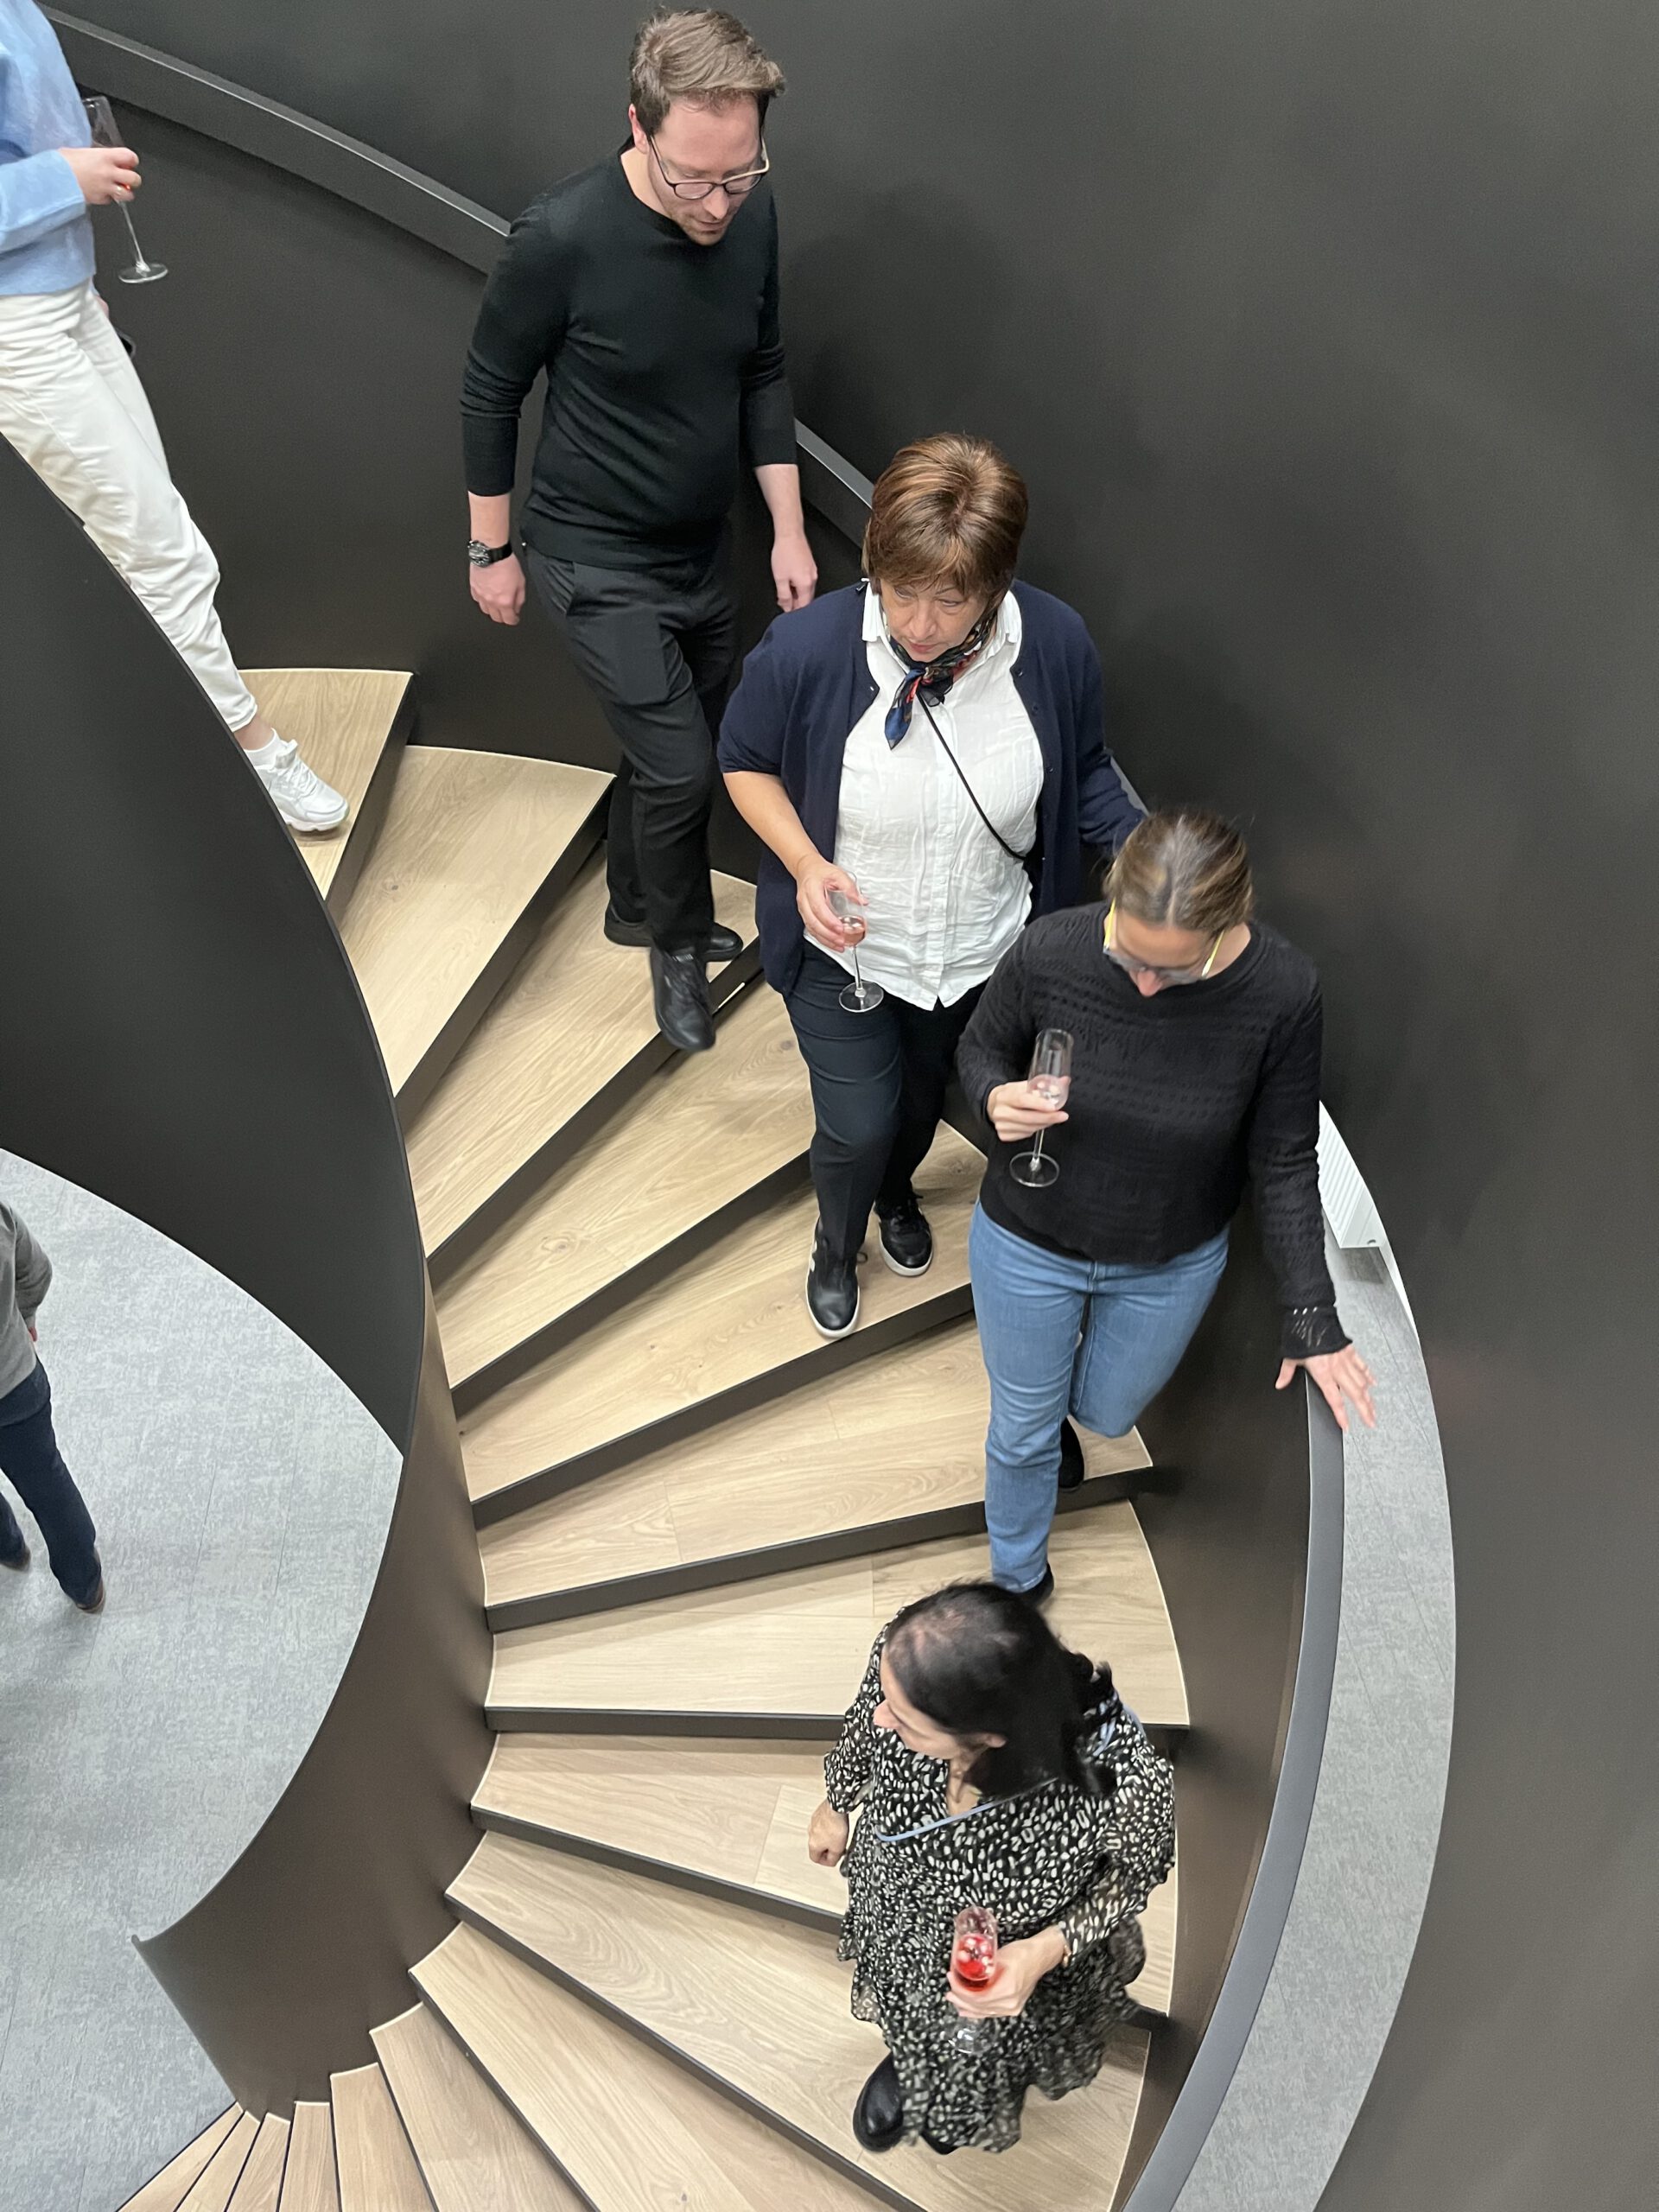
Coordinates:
<point>480,555</point>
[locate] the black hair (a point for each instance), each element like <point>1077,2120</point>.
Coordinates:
<point>981,1660</point>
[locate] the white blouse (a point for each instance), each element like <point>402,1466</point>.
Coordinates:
<point>943,902</point>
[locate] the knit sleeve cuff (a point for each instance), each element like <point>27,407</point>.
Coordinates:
<point>1310,1331</point>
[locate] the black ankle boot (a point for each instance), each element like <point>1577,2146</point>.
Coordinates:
<point>1070,1458</point>
<point>879,2115</point>
<point>831,1289</point>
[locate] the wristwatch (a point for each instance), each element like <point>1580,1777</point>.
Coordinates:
<point>480,555</point>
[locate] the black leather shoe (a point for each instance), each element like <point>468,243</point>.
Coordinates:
<point>879,2115</point>
<point>679,990</point>
<point>906,1241</point>
<point>94,1604</point>
<point>831,1289</point>
<point>1070,1458</point>
<point>1041,1592</point>
<point>721,943</point>
<point>18,1560</point>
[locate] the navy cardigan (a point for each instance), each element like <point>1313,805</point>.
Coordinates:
<point>808,682</point>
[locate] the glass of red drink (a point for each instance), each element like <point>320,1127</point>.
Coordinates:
<point>973,1966</point>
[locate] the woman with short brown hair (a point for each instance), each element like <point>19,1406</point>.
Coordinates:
<point>927,749</point>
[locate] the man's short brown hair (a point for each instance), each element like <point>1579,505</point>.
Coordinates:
<point>700,54</point>
<point>947,509</point>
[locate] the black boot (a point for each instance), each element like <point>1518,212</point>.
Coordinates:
<point>719,945</point>
<point>831,1289</point>
<point>879,2115</point>
<point>1070,1458</point>
<point>679,990</point>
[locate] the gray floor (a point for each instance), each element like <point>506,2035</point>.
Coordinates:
<point>241,1495</point>
<point>1359,1900</point>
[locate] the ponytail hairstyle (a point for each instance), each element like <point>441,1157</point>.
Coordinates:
<point>981,1660</point>
<point>1184,869</point>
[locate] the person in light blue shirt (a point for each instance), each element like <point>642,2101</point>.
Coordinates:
<point>72,404</point>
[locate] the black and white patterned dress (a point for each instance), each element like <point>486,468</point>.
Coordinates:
<point>1054,1855</point>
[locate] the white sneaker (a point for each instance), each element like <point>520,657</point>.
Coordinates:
<point>298,792</point>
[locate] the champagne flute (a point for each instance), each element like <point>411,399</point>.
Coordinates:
<point>973,1966</point>
<point>101,117</point>
<point>858,997</point>
<point>1050,1078</point>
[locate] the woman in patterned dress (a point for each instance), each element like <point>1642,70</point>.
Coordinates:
<point>989,1766</point>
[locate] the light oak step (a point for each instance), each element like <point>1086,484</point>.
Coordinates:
<point>166,2191</point>
<point>213,2187</point>
<point>633,2130</point>
<point>759,2005</point>
<point>710,1131</point>
<point>785,1655</point>
<point>884,1453</point>
<point>261,2186</point>
<point>309,2182</point>
<point>573,1034</point>
<point>710,1812</point>
<point>474,849</point>
<point>350,725</point>
<point>475,2155</point>
<point>377,2169</point>
<point>722,1332</point>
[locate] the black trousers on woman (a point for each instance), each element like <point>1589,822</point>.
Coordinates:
<point>878,1090</point>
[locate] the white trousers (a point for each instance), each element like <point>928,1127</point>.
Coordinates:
<point>71,403</point>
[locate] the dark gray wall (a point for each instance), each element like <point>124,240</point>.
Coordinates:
<point>1326,333</point>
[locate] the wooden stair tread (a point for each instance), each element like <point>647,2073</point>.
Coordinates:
<point>213,2187</point>
<point>723,1319</point>
<point>708,1127</point>
<point>794,1646</point>
<point>467,842</point>
<point>634,2131</point>
<point>475,2155</point>
<point>761,2005</point>
<point>728,1810</point>
<point>377,2169</point>
<point>309,2183</point>
<point>340,719</point>
<point>166,2190</point>
<point>577,1011</point>
<point>902,1433</point>
<point>261,2186</point>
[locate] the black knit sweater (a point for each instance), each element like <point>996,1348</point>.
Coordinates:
<point>1174,1099</point>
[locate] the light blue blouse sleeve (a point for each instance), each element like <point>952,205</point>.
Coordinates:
<point>38,192</point>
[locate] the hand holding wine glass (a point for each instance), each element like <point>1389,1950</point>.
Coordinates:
<point>1051,1080</point>
<point>100,119</point>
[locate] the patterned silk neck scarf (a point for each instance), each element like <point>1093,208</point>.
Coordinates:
<point>933,679</point>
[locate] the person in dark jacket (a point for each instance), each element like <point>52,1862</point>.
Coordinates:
<point>1195,1036</point>
<point>924,749</point>
<point>28,1447</point>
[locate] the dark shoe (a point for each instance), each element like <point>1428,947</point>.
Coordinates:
<point>1041,1592</point>
<point>906,1241</point>
<point>879,2115</point>
<point>1070,1458</point>
<point>95,1603</point>
<point>721,944</point>
<point>18,1560</point>
<point>679,990</point>
<point>831,1289</point>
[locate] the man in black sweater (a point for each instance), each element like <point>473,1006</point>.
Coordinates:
<point>647,289</point>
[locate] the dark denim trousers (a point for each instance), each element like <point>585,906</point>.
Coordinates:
<point>31,1462</point>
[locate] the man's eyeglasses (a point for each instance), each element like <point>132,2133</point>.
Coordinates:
<point>735,187</point>
<point>1131,966</point>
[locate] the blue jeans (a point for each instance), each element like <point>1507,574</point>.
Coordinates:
<point>29,1458</point>
<point>1094,1339</point>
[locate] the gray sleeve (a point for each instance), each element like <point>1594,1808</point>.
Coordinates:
<point>34,1268</point>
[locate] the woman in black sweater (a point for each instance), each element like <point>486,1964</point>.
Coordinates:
<point>1196,1034</point>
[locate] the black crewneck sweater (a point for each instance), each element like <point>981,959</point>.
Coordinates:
<point>1175,1101</point>
<point>663,364</point>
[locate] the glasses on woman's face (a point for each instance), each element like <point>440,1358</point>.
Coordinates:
<point>1131,966</point>
<point>735,187</point>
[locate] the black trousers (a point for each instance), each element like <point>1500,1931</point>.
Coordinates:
<point>877,1089</point>
<point>31,1461</point>
<point>657,646</point>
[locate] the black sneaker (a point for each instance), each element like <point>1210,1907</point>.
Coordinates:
<point>679,990</point>
<point>721,944</point>
<point>1070,1458</point>
<point>831,1289</point>
<point>906,1241</point>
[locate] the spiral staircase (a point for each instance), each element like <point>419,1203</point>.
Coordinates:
<point>693,1516</point>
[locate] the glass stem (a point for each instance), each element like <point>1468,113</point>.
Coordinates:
<point>1037,1144</point>
<point>137,250</point>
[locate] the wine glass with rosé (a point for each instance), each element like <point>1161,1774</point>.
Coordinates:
<point>973,1966</point>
